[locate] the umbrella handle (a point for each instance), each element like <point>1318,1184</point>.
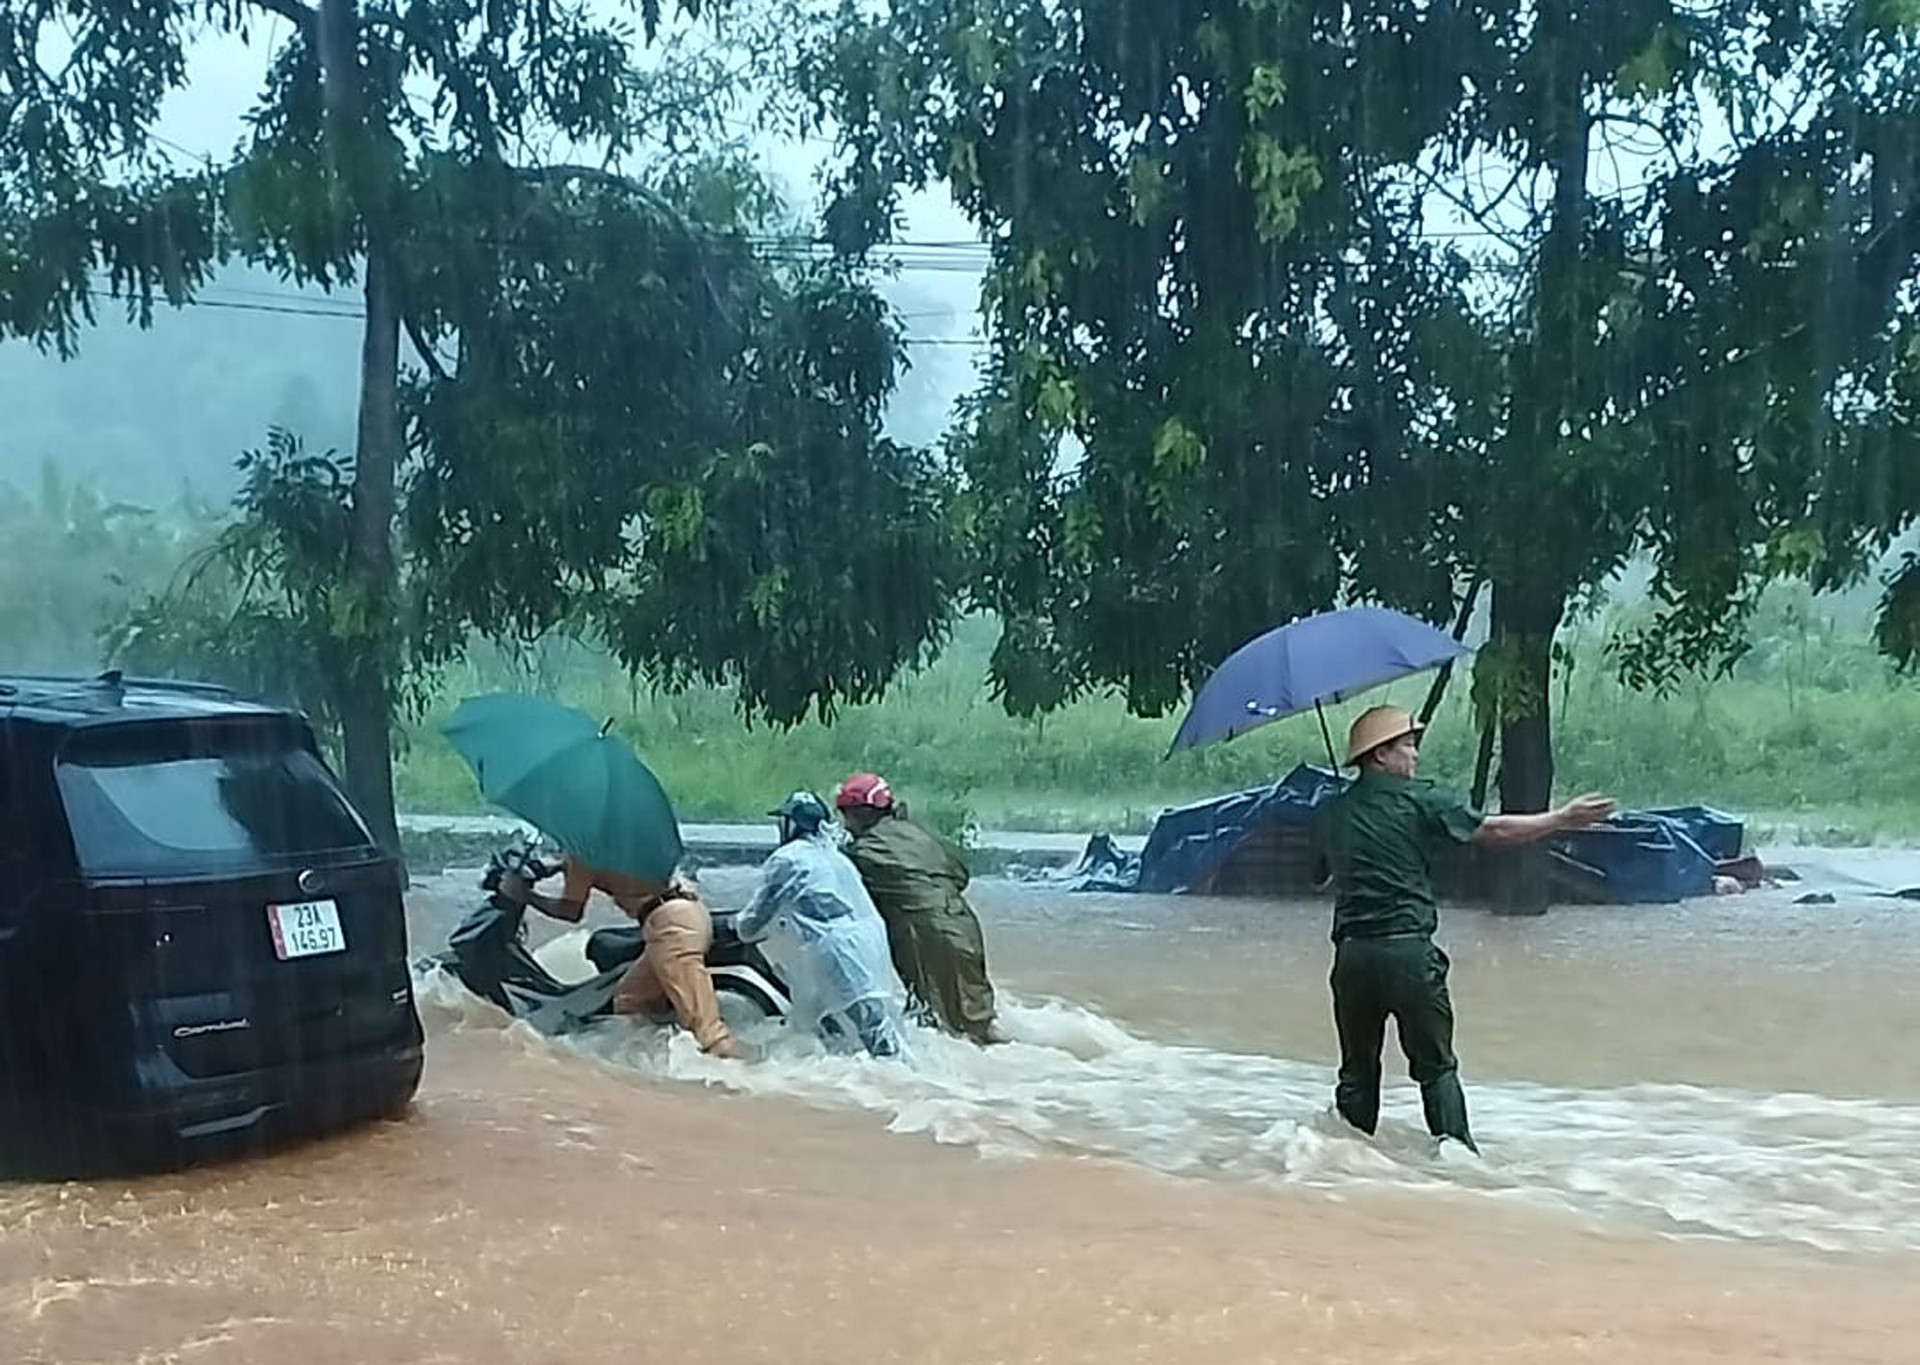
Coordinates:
<point>1326,735</point>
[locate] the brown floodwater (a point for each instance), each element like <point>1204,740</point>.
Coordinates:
<point>1702,1133</point>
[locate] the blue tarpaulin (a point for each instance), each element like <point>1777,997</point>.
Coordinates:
<point>1639,857</point>
<point>1636,858</point>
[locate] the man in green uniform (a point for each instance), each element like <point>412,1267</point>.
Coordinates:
<point>920,886</point>
<point>1373,841</point>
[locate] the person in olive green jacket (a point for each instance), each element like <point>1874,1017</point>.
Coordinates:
<point>920,885</point>
<point>1373,842</point>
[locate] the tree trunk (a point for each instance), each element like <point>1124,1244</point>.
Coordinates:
<point>1524,622</point>
<point>1464,618</point>
<point>1483,767</point>
<point>365,705</point>
<point>1529,599</point>
<point>366,714</point>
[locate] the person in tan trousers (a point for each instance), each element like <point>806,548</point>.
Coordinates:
<point>670,978</point>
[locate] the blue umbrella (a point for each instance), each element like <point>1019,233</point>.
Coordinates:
<point>1303,665</point>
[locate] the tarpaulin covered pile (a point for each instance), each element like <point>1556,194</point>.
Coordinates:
<point>1256,841</point>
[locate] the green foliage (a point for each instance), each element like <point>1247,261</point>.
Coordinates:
<point>268,607</point>
<point>821,568</point>
<point>1797,738</point>
<point>84,193</point>
<point>1288,390</point>
<point>1898,630</point>
<point>1203,170</point>
<point>691,416</point>
<point>74,562</point>
<point>716,499</point>
<point>575,393</point>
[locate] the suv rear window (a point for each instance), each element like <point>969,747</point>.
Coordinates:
<point>200,799</point>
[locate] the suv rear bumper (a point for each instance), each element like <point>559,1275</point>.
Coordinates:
<point>186,1119</point>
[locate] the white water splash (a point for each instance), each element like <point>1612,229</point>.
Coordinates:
<point>1834,1174</point>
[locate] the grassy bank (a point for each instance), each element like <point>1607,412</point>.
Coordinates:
<point>1810,739</point>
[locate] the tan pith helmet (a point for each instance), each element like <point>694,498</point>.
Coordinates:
<point>1378,725</point>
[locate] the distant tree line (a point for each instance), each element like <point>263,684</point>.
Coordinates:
<point>1434,303</point>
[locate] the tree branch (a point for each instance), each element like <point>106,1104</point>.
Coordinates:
<point>423,347</point>
<point>1468,602</point>
<point>1880,256</point>
<point>303,17</point>
<point>1480,216</point>
<point>559,174</point>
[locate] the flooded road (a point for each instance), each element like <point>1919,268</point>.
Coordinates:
<point>1734,1068</point>
<point>1737,1071</point>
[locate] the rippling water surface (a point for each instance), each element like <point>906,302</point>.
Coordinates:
<point>1736,1068</point>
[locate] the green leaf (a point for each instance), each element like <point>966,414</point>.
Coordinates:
<point>1177,448</point>
<point>1654,69</point>
<point>1059,402</point>
<point>1266,88</point>
<point>1083,529</point>
<point>767,597</point>
<point>1146,186</point>
<point>1795,551</point>
<point>1279,179</point>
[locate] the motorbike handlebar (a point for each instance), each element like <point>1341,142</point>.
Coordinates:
<point>515,858</point>
<point>537,870</point>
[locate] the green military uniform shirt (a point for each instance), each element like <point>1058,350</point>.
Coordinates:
<point>919,885</point>
<point>1374,840</point>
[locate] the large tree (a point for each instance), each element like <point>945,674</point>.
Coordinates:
<point>1185,384</point>
<point>369,111</point>
<point>674,444</point>
<point>482,175</point>
<point>1395,300</point>
<point>1707,228</point>
<point>359,100</point>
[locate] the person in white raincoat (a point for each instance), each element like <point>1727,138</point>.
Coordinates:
<point>818,924</point>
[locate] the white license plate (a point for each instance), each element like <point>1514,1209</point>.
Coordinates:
<point>306,929</point>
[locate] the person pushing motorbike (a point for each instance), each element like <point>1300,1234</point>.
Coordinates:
<point>669,980</point>
<point>919,885</point>
<point>821,927</point>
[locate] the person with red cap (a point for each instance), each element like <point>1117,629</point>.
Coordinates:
<point>1372,842</point>
<point>919,885</point>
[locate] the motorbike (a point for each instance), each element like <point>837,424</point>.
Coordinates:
<point>488,953</point>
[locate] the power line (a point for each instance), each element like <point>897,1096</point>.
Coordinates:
<point>349,314</point>
<point>344,312</point>
<point>188,152</point>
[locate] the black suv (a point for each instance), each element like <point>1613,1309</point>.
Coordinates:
<point>202,948</point>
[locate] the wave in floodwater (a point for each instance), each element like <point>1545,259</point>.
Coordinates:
<point>1840,1175</point>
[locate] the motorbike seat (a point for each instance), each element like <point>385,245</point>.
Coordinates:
<point>614,947</point>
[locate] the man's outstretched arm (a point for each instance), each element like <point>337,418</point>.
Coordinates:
<point>1508,831</point>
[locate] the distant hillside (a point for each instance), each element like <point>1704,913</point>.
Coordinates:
<point>142,414</point>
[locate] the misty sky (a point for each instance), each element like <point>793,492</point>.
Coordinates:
<point>150,413</point>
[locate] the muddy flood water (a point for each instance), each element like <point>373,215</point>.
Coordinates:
<point>1701,1128</point>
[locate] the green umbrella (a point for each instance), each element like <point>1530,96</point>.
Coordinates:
<point>556,768</point>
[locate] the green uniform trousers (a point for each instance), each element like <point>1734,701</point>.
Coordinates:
<point>1403,978</point>
<point>942,961</point>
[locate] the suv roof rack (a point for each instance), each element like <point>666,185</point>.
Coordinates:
<point>102,692</point>
<point>15,683</point>
<point>113,677</point>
